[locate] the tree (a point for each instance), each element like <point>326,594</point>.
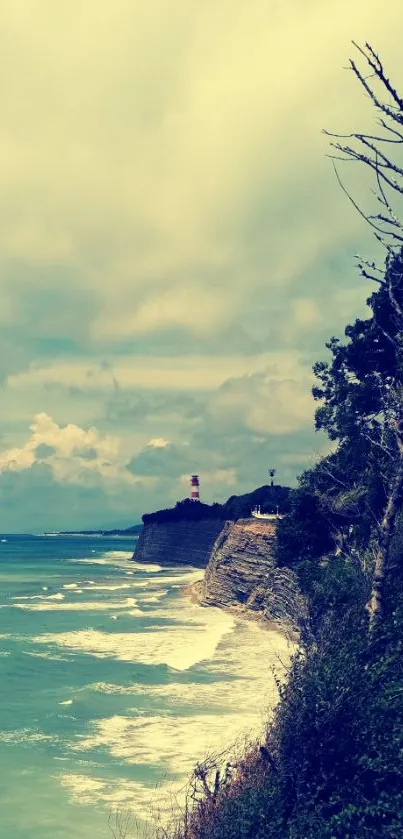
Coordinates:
<point>305,533</point>
<point>362,389</point>
<point>362,407</point>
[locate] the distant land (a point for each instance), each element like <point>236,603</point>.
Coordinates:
<point>129,531</point>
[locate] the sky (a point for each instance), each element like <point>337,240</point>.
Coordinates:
<point>174,247</point>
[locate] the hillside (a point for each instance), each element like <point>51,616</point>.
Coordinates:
<point>331,763</point>
<point>270,498</point>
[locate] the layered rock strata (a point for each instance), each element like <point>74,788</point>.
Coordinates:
<point>178,543</point>
<point>242,572</point>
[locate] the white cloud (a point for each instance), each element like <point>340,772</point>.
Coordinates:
<point>200,310</point>
<point>17,459</point>
<point>158,443</point>
<point>189,372</point>
<point>70,439</point>
<point>263,403</point>
<point>166,204</point>
<point>73,454</point>
<point>225,477</point>
<point>158,151</point>
<point>305,312</point>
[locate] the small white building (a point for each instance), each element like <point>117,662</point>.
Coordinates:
<point>257,514</point>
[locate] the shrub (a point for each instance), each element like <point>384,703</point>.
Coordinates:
<point>332,762</point>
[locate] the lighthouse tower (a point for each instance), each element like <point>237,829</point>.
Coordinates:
<point>194,488</point>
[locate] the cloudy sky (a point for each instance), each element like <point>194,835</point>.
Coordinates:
<point>174,247</point>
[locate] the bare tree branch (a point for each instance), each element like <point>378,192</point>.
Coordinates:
<point>371,149</point>
<point>362,214</point>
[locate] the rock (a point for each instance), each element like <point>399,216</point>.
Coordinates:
<point>242,571</point>
<point>178,543</point>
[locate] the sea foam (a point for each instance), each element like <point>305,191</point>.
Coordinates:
<point>180,647</point>
<point>197,718</point>
<point>58,596</point>
<point>81,606</point>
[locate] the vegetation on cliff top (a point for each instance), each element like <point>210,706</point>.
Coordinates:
<point>270,498</point>
<point>331,766</point>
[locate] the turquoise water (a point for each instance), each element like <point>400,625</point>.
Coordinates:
<point>113,684</point>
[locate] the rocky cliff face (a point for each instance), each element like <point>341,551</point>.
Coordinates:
<point>242,572</point>
<point>178,543</point>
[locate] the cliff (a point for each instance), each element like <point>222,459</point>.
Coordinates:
<point>178,543</point>
<point>242,574</point>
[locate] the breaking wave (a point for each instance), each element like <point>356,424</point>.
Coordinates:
<point>81,606</point>
<point>180,647</point>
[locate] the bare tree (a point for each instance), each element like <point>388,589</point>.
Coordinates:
<point>382,154</point>
<point>122,823</point>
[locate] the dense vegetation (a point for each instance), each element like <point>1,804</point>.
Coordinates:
<point>331,766</point>
<point>270,499</point>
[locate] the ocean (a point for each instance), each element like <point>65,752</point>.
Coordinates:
<point>113,684</point>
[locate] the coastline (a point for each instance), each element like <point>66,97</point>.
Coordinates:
<point>242,612</point>
<point>216,695</point>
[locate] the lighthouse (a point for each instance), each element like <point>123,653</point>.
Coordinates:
<point>194,488</point>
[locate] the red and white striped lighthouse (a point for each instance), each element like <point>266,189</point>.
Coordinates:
<point>194,488</point>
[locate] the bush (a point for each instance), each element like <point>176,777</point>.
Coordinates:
<point>332,762</point>
<point>236,507</point>
<point>305,532</point>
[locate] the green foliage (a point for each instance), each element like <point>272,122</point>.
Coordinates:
<point>269,498</point>
<point>360,392</point>
<point>340,735</point>
<point>331,766</point>
<point>336,745</point>
<point>305,533</point>
<point>186,510</point>
<point>354,384</point>
<point>236,507</point>
<point>396,548</point>
<point>333,587</point>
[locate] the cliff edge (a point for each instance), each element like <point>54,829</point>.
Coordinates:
<point>242,575</point>
<point>178,543</point>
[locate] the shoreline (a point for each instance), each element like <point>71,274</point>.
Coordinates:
<point>241,612</point>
